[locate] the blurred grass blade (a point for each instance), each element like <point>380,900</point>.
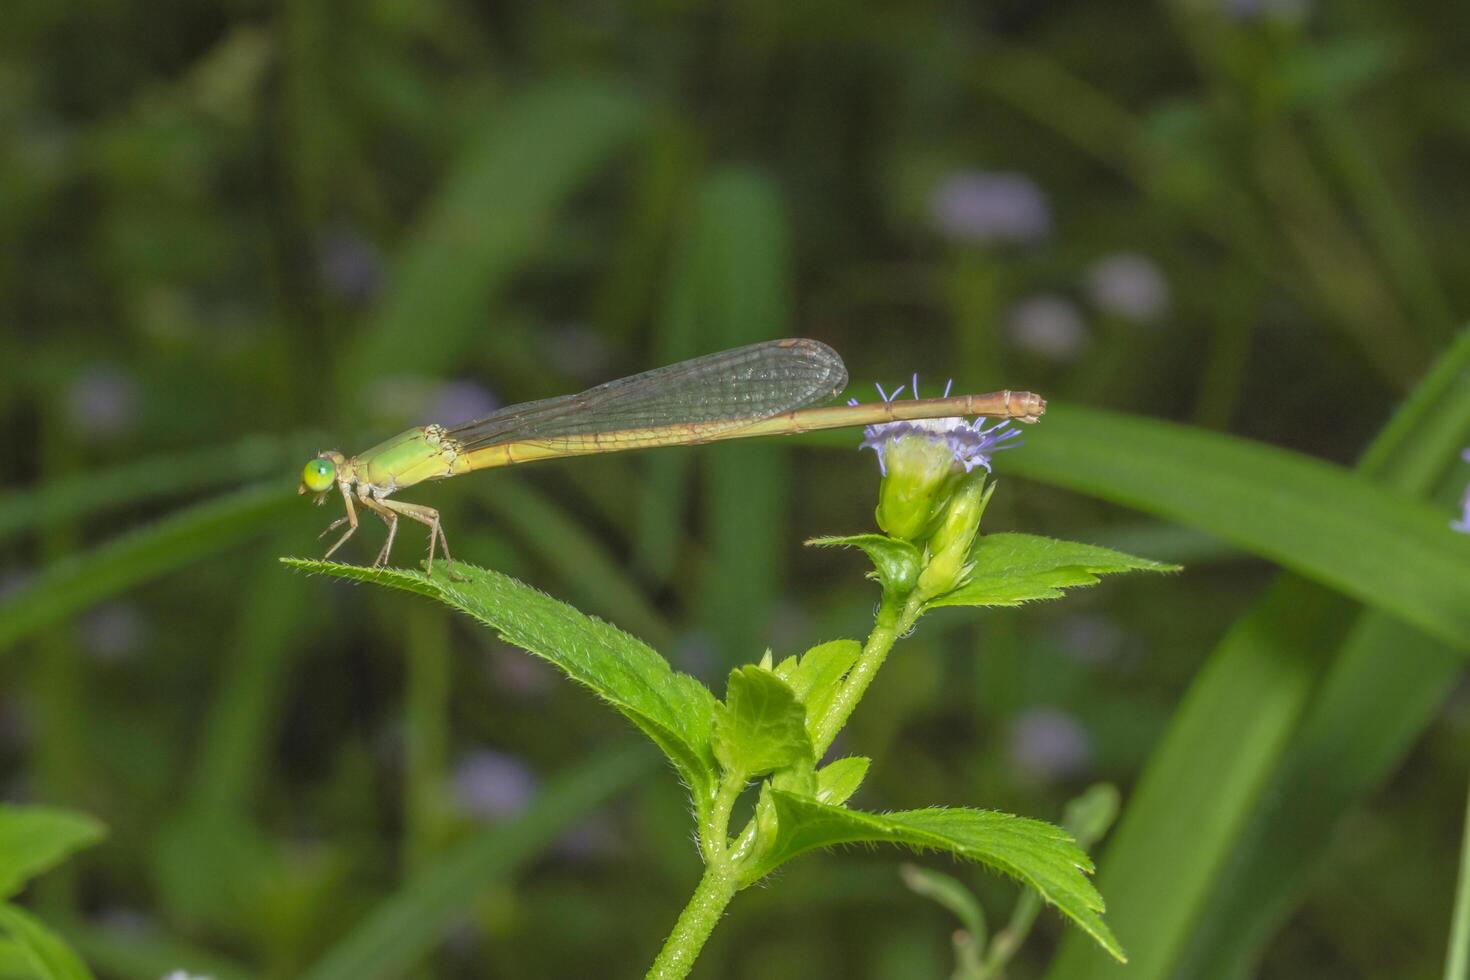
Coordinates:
<point>130,954</point>
<point>1311,517</point>
<point>140,555</point>
<point>1457,959</point>
<point>672,709</point>
<point>742,269</point>
<point>405,927</point>
<point>93,491</point>
<point>487,218</point>
<point>1203,787</point>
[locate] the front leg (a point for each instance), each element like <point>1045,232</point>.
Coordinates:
<point>351,519</point>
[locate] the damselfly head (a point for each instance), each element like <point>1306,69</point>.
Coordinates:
<point>319,474</point>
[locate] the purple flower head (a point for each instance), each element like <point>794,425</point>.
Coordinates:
<point>1463,524</point>
<point>1048,325</point>
<point>970,444</point>
<point>990,209</point>
<point>1129,286</point>
<point>491,785</point>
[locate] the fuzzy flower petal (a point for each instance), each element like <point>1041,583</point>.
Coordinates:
<point>971,443</point>
<point>1463,524</point>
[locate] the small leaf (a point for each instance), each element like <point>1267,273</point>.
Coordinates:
<point>1088,817</point>
<point>838,780</point>
<point>895,563</point>
<point>761,727</point>
<point>949,892</point>
<point>34,839</point>
<point>673,709</point>
<point>1036,853</point>
<point>817,676</point>
<point>47,956</point>
<point>1009,569</point>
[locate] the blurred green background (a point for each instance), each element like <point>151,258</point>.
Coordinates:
<point>235,233</point>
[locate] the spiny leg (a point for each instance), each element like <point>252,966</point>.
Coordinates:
<point>427,516</point>
<point>351,519</point>
<point>389,518</point>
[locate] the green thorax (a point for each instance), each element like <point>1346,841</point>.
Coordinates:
<point>424,453</point>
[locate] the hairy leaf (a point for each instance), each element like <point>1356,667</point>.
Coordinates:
<point>839,779</point>
<point>761,727</point>
<point>1035,853</point>
<point>817,676</point>
<point>670,707</point>
<point>895,563</point>
<point>1009,569</point>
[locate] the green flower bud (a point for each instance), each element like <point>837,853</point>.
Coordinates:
<point>919,472</point>
<point>949,545</point>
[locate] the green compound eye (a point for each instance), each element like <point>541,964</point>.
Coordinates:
<point>319,475</point>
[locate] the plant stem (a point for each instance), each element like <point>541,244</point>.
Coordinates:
<point>1457,960</point>
<point>893,621</point>
<point>695,923</point>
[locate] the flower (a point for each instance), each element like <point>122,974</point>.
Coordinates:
<point>990,208</point>
<point>1129,286</point>
<point>1047,744</point>
<point>1048,325</point>
<point>1463,524</point>
<point>922,462</point>
<point>491,785</point>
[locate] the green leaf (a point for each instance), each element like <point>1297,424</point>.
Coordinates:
<point>1010,569</point>
<point>34,839</point>
<point>896,563</point>
<point>487,218</point>
<point>672,708</point>
<point>401,930</point>
<point>1258,711</point>
<point>817,676</point>
<point>761,727</point>
<point>950,892</point>
<point>49,958</point>
<point>141,555</point>
<point>840,778</point>
<point>1381,547</point>
<point>1088,817</point>
<point>1035,853</point>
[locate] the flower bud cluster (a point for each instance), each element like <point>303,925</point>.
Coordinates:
<point>933,492</point>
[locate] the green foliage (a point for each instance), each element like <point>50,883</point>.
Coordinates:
<point>1384,549</point>
<point>816,677</point>
<point>396,934</point>
<point>761,727</point>
<point>545,143</point>
<point>1011,569</point>
<point>34,839</point>
<point>1038,854</point>
<point>42,950</point>
<point>840,778</point>
<point>140,555</point>
<point>896,563</point>
<point>673,709</point>
<point>951,893</point>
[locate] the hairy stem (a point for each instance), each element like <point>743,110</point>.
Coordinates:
<point>695,923</point>
<point>895,618</point>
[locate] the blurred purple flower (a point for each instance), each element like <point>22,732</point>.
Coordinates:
<point>518,673</point>
<point>970,443</point>
<point>1129,286</point>
<point>113,631</point>
<point>102,402</point>
<point>351,267</point>
<point>1048,325</point>
<point>982,208</point>
<point>1090,638</point>
<point>457,402</point>
<point>1047,744</point>
<point>588,839</point>
<point>491,785</point>
<point>1463,524</point>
